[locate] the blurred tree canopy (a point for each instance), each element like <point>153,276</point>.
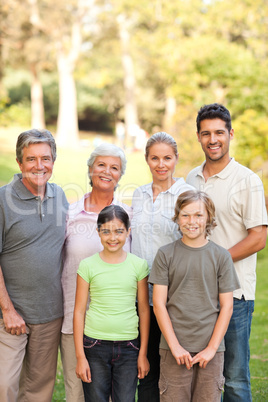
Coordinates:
<point>177,56</point>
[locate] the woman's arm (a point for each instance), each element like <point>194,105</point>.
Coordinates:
<point>144,316</point>
<point>181,355</point>
<point>81,297</point>
<point>226,310</point>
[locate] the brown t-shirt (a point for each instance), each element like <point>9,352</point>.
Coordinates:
<point>195,277</point>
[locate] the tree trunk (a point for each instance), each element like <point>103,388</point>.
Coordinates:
<point>37,101</point>
<point>131,114</point>
<point>169,122</point>
<point>67,127</point>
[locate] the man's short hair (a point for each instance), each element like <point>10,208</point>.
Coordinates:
<point>214,111</point>
<point>35,136</point>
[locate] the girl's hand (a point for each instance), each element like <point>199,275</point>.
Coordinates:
<point>83,370</point>
<point>182,357</point>
<point>204,356</point>
<point>143,366</point>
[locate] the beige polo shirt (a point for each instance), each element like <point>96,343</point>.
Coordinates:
<point>240,205</point>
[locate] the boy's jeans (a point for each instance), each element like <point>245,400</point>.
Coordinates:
<point>236,358</point>
<point>113,366</point>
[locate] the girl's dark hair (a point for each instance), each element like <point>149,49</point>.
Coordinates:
<point>107,214</point>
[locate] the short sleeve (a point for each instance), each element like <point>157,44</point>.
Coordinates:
<point>143,270</point>
<point>227,278</point>
<point>253,203</point>
<point>1,228</point>
<point>84,270</point>
<point>159,271</point>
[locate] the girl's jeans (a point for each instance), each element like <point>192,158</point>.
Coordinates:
<point>113,366</point>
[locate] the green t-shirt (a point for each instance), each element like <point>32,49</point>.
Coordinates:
<point>112,311</point>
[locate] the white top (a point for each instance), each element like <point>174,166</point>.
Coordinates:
<point>152,225</point>
<point>238,196</point>
<point>81,241</point>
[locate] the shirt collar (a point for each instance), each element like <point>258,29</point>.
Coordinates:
<point>24,193</point>
<point>172,190</point>
<point>79,206</point>
<point>223,174</point>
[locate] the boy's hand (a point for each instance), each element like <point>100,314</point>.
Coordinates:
<point>143,366</point>
<point>83,370</point>
<point>204,357</point>
<point>182,357</point>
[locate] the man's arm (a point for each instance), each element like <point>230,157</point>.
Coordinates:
<point>14,323</point>
<point>181,355</point>
<point>255,241</point>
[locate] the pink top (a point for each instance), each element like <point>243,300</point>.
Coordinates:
<point>82,241</point>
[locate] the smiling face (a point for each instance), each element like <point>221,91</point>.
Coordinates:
<point>105,172</point>
<point>162,161</point>
<point>113,235</point>
<point>192,221</point>
<point>36,167</point>
<point>215,139</point>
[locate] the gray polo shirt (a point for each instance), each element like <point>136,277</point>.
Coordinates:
<point>32,234</point>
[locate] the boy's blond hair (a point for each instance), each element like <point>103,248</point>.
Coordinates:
<point>190,196</point>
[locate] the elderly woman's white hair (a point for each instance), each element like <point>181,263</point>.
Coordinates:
<point>106,149</point>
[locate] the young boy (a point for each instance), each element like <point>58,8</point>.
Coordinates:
<point>193,302</point>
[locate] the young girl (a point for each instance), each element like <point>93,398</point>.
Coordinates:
<point>194,280</point>
<point>109,357</point>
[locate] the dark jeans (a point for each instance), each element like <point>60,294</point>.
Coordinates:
<point>148,390</point>
<point>237,354</point>
<point>113,366</point>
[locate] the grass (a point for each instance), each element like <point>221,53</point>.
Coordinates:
<point>259,334</point>
<point>70,172</point>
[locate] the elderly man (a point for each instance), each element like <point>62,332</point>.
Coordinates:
<point>32,230</point>
<point>241,215</point>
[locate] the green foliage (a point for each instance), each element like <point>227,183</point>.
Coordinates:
<point>194,51</point>
<point>252,141</point>
<point>19,113</point>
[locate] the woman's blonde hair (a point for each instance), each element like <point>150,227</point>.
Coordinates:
<point>159,138</point>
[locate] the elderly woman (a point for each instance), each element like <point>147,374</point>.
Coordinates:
<point>106,165</point>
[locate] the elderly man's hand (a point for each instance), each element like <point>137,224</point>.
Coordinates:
<point>14,323</point>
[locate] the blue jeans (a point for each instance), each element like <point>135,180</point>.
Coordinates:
<point>236,357</point>
<point>113,366</point>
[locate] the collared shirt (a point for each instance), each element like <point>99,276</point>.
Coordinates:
<point>238,196</point>
<point>152,225</point>
<point>82,241</point>
<point>32,232</point>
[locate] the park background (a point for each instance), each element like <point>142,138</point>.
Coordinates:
<point>82,68</point>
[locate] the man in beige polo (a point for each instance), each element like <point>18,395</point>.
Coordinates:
<point>242,229</point>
